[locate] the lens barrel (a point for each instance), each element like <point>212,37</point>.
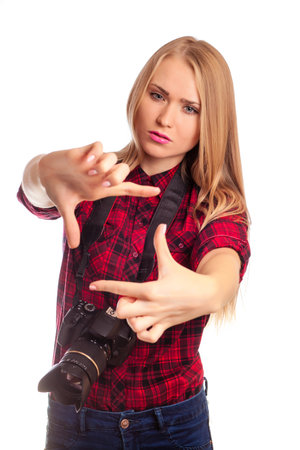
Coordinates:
<point>89,356</point>
<point>97,338</point>
<point>85,361</point>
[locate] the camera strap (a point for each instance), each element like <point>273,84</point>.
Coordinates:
<point>164,213</point>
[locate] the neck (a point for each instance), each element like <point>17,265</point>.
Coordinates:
<point>153,166</point>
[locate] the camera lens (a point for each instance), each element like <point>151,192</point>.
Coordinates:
<point>96,338</point>
<point>75,382</point>
<point>71,379</point>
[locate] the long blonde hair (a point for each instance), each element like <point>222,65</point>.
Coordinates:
<point>214,164</point>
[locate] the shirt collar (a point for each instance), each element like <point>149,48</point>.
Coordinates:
<point>160,180</point>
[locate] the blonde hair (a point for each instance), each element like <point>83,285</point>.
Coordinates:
<point>214,164</point>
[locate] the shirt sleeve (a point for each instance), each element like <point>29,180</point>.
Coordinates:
<point>43,213</point>
<point>223,232</point>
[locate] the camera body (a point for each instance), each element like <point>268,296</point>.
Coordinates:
<point>103,326</point>
<point>96,339</point>
<point>75,322</point>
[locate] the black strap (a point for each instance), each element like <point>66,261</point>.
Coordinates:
<point>94,227</point>
<point>90,233</point>
<point>164,213</point>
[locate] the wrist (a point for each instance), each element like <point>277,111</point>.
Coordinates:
<point>32,184</point>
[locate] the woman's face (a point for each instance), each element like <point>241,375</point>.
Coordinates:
<point>168,119</point>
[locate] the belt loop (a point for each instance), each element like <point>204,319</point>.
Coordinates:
<point>160,419</point>
<point>205,382</point>
<point>81,418</point>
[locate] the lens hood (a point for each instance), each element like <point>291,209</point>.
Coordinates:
<point>84,361</point>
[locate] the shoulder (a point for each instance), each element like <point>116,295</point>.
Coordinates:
<point>224,232</point>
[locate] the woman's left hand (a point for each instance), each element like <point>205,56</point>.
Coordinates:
<point>178,295</point>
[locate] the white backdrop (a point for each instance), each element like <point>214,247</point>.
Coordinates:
<point>66,68</point>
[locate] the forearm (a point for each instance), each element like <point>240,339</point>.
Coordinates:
<point>179,294</point>
<point>32,186</point>
<point>219,277</point>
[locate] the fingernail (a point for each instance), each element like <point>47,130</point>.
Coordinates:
<point>90,158</point>
<point>92,172</point>
<point>92,287</point>
<point>106,183</point>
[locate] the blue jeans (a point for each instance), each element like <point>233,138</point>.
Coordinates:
<point>180,426</point>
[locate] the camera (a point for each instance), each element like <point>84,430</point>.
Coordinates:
<point>96,339</point>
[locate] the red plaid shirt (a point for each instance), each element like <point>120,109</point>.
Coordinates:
<point>169,371</point>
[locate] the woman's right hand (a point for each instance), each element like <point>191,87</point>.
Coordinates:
<point>86,173</point>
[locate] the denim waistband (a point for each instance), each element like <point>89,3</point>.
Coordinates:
<point>89,419</point>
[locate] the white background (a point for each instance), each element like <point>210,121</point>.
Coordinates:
<point>66,68</point>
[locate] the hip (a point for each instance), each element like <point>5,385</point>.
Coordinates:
<point>182,425</point>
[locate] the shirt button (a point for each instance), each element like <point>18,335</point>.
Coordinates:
<point>124,423</point>
<point>180,245</point>
<point>135,254</point>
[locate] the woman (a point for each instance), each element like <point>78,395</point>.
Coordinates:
<point>182,114</point>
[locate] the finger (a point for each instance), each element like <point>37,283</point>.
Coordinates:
<point>99,162</point>
<point>153,334</point>
<point>129,289</point>
<point>89,152</point>
<point>71,227</point>
<point>133,189</point>
<point>122,304</point>
<point>93,151</point>
<point>117,173</point>
<point>164,257</point>
<point>139,324</point>
<point>129,307</point>
<point>106,163</point>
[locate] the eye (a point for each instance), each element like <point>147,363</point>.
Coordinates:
<point>191,110</point>
<point>156,96</point>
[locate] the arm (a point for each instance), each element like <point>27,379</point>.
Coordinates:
<point>32,186</point>
<point>179,294</point>
<point>222,265</point>
<point>65,178</point>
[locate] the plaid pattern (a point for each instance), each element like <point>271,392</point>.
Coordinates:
<point>169,371</point>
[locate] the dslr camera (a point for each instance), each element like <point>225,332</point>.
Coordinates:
<point>96,339</point>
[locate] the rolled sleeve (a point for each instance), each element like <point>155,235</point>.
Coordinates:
<point>228,232</point>
<point>43,213</point>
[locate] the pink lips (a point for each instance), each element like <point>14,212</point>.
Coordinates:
<point>159,137</point>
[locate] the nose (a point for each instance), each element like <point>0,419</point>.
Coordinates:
<point>166,116</point>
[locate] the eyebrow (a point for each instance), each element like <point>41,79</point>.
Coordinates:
<point>183,100</point>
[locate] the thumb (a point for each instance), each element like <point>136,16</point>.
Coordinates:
<point>71,227</point>
<point>164,257</point>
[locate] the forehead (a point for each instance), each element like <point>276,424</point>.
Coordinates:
<point>177,77</point>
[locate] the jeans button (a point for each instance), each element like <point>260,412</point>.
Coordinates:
<point>124,423</point>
